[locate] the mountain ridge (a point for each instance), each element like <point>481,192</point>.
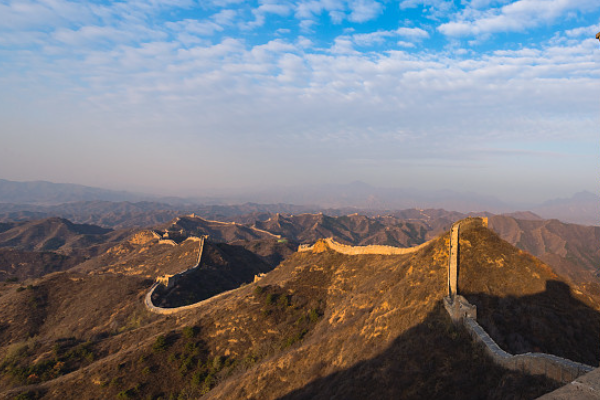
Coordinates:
<point>580,208</point>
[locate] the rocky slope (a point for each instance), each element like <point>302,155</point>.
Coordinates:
<point>18,265</point>
<point>572,250</point>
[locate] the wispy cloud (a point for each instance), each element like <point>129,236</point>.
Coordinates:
<point>518,16</point>
<point>339,10</point>
<point>379,37</point>
<point>311,77</point>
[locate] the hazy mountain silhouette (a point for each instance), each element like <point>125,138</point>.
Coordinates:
<point>26,197</point>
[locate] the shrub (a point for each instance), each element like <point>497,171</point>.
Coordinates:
<point>186,364</point>
<point>25,396</point>
<point>313,315</point>
<point>283,302</point>
<point>189,332</point>
<point>191,348</point>
<point>217,363</point>
<point>209,383</point>
<point>258,290</point>
<point>125,394</point>
<point>114,382</point>
<point>270,299</point>
<point>294,338</point>
<point>197,378</point>
<point>160,344</point>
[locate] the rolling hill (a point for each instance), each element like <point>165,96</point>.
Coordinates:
<point>320,325</point>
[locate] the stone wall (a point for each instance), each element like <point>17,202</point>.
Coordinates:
<point>170,311</point>
<point>358,250</point>
<point>453,260</point>
<point>459,308</point>
<point>554,367</point>
<point>463,312</point>
<point>171,280</point>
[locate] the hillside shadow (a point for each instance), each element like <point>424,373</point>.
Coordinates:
<point>552,321</point>
<point>433,360</point>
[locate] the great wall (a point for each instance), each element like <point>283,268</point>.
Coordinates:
<point>361,250</point>
<point>462,312</point>
<point>459,309</point>
<point>170,281</point>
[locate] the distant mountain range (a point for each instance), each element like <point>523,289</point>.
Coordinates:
<point>121,209</point>
<point>36,247</point>
<point>42,192</point>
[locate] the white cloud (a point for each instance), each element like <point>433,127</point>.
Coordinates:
<point>339,10</point>
<point>268,7</point>
<point>28,14</point>
<point>586,31</point>
<point>518,16</point>
<point>202,82</point>
<point>343,45</point>
<point>225,17</point>
<point>482,4</point>
<point>413,33</point>
<point>405,44</point>
<point>434,8</point>
<point>203,28</point>
<point>364,10</point>
<point>379,37</point>
<point>306,25</point>
<point>369,39</point>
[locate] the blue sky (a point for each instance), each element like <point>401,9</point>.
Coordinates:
<point>190,97</point>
